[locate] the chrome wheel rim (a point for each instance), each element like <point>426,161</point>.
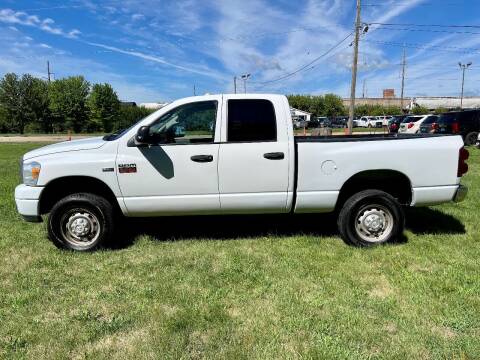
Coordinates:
<point>80,227</point>
<point>374,223</point>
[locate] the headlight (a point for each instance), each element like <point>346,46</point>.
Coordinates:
<point>31,172</point>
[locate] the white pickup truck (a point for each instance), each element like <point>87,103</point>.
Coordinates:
<point>235,154</point>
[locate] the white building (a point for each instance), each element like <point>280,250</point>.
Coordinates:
<point>300,115</point>
<point>433,102</point>
<point>153,105</point>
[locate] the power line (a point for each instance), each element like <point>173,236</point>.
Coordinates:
<point>426,46</point>
<point>306,65</point>
<point>402,4</point>
<point>427,25</point>
<point>428,30</point>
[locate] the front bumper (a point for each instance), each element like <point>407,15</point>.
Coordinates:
<point>461,193</point>
<point>27,199</point>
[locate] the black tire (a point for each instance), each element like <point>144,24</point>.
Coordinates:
<point>375,207</point>
<point>471,138</point>
<point>93,212</point>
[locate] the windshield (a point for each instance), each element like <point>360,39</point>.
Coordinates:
<point>118,134</point>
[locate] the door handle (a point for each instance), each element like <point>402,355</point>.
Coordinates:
<point>274,156</point>
<point>202,158</point>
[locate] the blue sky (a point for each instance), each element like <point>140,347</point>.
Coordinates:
<point>158,50</point>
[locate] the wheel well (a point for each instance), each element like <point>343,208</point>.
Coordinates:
<point>59,188</point>
<point>392,182</point>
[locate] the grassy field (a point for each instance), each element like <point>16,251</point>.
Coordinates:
<point>243,287</point>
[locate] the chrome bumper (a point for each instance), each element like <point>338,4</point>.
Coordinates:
<point>461,193</point>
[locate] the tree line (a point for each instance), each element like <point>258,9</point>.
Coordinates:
<point>30,104</point>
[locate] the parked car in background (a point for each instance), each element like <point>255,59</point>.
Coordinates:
<point>394,123</point>
<point>369,121</point>
<point>411,124</point>
<point>384,119</point>
<point>374,121</point>
<point>300,124</point>
<point>323,121</point>
<point>465,123</point>
<point>429,125</point>
<point>477,144</point>
<point>338,122</point>
<point>361,122</point>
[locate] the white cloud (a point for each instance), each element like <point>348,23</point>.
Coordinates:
<point>195,70</point>
<point>137,17</point>
<point>10,16</point>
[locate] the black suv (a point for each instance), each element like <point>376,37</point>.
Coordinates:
<point>394,123</point>
<point>465,123</point>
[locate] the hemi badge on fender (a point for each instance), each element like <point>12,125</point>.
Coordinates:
<point>127,168</point>
<point>108,169</point>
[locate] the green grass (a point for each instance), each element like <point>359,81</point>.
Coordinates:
<point>234,287</point>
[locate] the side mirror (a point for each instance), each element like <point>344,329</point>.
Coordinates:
<point>143,135</point>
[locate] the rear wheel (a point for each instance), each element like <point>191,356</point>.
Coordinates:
<point>471,138</point>
<point>81,222</point>
<point>371,217</point>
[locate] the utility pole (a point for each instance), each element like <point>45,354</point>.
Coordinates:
<point>48,71</point>
<point>235,84</point>
<point>463,67</point>
<point>363,92</point>
<point>354,70</point>
<point>404,62</point>
<point>194,90</point>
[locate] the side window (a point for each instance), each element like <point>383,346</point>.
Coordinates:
<point>251,120</point>
<point>187,124</point>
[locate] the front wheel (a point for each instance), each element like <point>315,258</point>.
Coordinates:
<point>82,222</point>
<point>371,217</point>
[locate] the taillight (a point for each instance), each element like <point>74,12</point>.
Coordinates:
<point>462,158</point>
<point>455,128</point>
<point>394,126</point>
<point>410,125</point>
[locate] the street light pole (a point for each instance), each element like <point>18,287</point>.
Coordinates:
<point>235,84</point>
<point>463,67</point>
<point>245,77</point>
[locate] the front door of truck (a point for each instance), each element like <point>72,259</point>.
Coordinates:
<point>179,174</point>
<point>254,158</point>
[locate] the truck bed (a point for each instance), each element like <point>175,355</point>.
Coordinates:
<point>366,137</point>
<point>325,163</point>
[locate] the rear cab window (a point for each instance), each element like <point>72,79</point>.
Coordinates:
<point>251,120</point>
